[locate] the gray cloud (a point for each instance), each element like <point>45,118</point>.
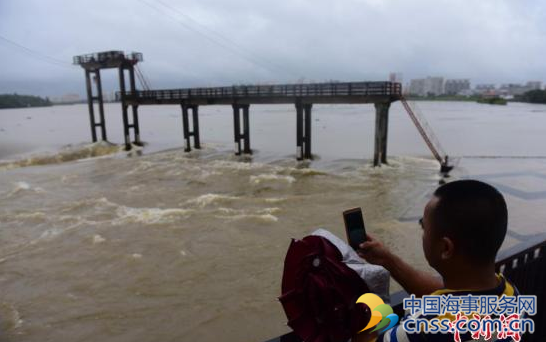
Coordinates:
<point>281,41</point>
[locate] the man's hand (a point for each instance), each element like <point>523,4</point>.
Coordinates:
<point>411,279</point>
<point>375,252</point>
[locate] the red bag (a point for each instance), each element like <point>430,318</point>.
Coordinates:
<point>319,292</point>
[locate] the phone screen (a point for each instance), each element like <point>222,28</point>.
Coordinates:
<point>354,226</point>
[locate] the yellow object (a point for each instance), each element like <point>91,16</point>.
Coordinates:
<point>372,301</point>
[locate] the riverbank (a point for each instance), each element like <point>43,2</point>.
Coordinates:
<point>23,101</point>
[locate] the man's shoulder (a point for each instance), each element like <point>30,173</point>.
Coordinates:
<point>407,329</point>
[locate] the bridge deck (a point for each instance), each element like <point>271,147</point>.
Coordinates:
<point>346,92</point>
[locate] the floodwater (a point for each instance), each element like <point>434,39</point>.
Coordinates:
<point>161,245</point>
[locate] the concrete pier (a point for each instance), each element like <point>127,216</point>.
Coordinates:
<point>127,126</point>
<point>303,130</point>
<point>186,126</point>
<point>90,102</point>
<point>381,133</point>
<point>242,138</point>
<point>93,64</point>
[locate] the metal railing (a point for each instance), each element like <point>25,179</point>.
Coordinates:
<point>524,265</point>
<point>279,90</point>
<point>106,56</point>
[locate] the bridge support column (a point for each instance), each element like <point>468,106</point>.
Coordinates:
<point>303,130</point>
<point>245,134</point>
<point>90,103</point>
<point>381,129</point>
<point>125,108</point>
<point>186,126</point>
<point>136,127</point>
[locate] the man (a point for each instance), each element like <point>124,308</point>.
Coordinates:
<point>464,225</point>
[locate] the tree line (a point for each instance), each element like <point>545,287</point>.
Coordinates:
<point>533,96</point>
<point>22,101</point>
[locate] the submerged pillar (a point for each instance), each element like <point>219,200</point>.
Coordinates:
<point>186,126</point>
<point>91,100</point>
<point>101,124</point>
<point>124,107</point>
<point>195,122</point>
<point>135,125</point>
<point>244,136</point>
<point>303,130</point>
<point>92,64</point>
<point>381,133</point>
<point>89,89</point>
<point>127,125</point>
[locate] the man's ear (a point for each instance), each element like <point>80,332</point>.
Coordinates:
<point>448,248</point>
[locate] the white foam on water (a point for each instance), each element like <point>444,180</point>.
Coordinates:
<point>259,211</point>
<point>23,187</point>
<point>265,217</point>
<point>97,203</point>
<point>149,215</point>
<point>34,215</point>
<point>208,199</point>
<point>67,154</point>
<point>136,256</point>
<point>262,214</point>
<point>98,239</point>
<point>269,177</point>
<point>12,317</point>
<point>238,165</point>
<point>306,171</point>
<point>142,165</point>
<point>275,199</point>
<point>183,253</point>
<point>50,234</point>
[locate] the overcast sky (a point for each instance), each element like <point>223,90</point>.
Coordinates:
<point>222,42</point>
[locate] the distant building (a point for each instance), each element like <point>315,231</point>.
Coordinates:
<point>512,89</point>
<point>434,85</point>
<point>485,89</point>
<point>68,98</point>
<point>427,86</point>
<point>395,77</point>
<point>534,85</point>
<point>417,87</point>
<point>455,87</point>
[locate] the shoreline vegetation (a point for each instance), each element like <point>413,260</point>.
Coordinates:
<point>23,101</point>
<point>533,96</point>
<point>494,100</point>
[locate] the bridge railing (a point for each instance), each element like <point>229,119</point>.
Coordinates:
<point>279,90</point>
<point>100,57</point>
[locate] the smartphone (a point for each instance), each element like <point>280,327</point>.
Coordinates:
<point>354,226</point>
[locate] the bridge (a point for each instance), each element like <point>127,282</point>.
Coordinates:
<point>302,96</point>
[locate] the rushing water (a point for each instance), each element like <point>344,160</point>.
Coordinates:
<point>162,245</point>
